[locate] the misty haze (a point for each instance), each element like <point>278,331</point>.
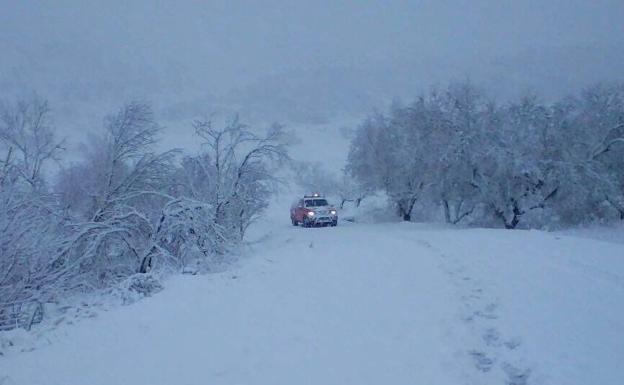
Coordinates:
<point>318,192</point>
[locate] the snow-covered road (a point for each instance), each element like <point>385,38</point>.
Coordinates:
<point>363,304</point>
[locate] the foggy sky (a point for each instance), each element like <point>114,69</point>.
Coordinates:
<point>212,47</point>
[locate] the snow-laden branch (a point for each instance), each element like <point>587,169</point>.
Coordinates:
<point>606,144</point>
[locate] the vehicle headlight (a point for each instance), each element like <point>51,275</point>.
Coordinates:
<point>310,213</point>
<point>333,212</point>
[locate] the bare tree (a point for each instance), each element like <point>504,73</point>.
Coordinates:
<point>28,138</point>
<point>236,167</point>
<point>313,177</point>
<point>350,190</point>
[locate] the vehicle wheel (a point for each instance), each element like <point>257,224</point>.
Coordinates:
<point>334,223</point>
<point>305,223</point>
<point>294,222</point>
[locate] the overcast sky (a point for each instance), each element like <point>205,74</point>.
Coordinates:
<point>218,45</point>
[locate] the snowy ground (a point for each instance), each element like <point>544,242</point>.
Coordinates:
<point>362,304</point>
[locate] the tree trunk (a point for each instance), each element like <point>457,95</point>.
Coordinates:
<point>5,168</point>
<point>619,207</point>
<point>461,215</point>
<point>514,222</point>
<point>403,213</point>
<point>509,225</point>
<point>517,213</point>
<point>241,224</point>
<point>406,212</point>
<point>447,211</point>
<point>410,208</point>
<point>146,264</point>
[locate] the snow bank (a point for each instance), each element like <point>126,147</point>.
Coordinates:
<point>610,233</point>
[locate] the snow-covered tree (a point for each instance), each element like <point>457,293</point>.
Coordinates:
<point>110,199</point>
<point>389,154</point>
<point>457,116</point>
<point>588,154</point>
<point>235,171</point>
<point>600,127</point>
<point>124,208</point>
<point>513,175</point>
<point>29,220</point>
<point>562,163</point>
<point>28,141</point>
<point>314,177</point>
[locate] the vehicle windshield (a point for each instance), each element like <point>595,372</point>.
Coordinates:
<point>315,202</point>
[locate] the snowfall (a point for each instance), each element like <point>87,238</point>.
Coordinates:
<point>362,303</point>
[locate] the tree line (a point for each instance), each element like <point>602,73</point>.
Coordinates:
<point>524,163</point>
<point>124,208</point>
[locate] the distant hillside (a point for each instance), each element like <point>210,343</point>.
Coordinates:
<point>318,94</point>
<point>83,89</point>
